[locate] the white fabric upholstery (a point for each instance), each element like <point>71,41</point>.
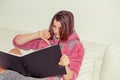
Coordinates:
<point>111,63</point>
<point>90,68</point>
<point>6,37</point>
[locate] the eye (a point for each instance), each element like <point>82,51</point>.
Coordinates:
<point>54,26</point>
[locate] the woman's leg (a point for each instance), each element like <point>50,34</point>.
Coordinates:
<point>12,75</point>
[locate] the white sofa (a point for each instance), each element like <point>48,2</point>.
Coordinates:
<point>101,61</point>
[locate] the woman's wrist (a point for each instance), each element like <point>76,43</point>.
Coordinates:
<point>66,67</point>
<point>36,35</point>
<point>69,73</point>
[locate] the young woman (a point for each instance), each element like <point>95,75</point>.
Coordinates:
<point>61,31</point>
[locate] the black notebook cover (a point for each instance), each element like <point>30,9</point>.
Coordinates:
<point>41,63</point>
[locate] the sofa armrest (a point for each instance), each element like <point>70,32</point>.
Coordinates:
<point>111,63</point>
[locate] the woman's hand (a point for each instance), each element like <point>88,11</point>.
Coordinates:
<point>64,60</point>
<point>45,35</point>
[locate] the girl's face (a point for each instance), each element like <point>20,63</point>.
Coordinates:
<point>56,28</point>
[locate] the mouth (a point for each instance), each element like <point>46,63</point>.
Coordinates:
<point>57,36</point>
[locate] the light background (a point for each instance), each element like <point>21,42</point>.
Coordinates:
<point>95,20</point>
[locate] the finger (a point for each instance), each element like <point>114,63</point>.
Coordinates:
<point>60,63</point>
<point>46,34</point>
<point>47,41</point>
<point>62,57</point>
<point>64,60</point>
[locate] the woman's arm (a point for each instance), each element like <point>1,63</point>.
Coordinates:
<point>69,74</point>
<point>73,62</point>
<point>24,38</point>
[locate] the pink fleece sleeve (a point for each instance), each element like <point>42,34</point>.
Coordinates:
<point>76,59</point>
<point>34,44</point>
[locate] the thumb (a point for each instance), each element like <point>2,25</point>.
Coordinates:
<point>46,41</point>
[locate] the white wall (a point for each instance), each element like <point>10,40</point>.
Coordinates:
<point>95,20</point>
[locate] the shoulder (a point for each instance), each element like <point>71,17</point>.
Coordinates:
<point>75,43</point>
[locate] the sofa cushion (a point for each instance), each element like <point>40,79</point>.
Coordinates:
<point>111,63</point>
<point>92,61</point>
<point>6,37</point>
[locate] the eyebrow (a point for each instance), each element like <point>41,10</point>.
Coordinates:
<point>55,26</point>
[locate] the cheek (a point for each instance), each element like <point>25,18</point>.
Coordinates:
<point>56,31</point>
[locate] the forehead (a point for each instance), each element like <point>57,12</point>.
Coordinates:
<point>56,23</point>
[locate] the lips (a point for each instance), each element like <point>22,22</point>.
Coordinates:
<point>57,36</point>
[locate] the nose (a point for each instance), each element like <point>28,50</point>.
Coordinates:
<point>55,30</point>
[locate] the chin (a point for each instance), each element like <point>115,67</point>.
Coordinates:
<point>57,37</point>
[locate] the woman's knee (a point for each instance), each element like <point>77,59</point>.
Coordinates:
<point>1,69</point>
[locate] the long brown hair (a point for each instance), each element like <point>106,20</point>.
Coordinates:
<point>66,19</point>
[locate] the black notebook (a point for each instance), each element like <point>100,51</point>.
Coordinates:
<point>41,63</point>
